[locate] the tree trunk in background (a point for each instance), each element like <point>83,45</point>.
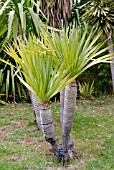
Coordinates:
<point>48,128</point>
<point>68,115</point>
<point>36,109</point>
<point>62,105</point>
<point>110,50</point>
<point>58,11</point>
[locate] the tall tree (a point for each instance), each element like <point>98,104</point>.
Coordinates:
<point>99,15</point>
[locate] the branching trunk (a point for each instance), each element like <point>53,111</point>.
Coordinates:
<point>68,115</point>
<point>110,50</point>
<point>48,128</point>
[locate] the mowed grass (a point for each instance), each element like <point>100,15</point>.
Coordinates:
<point>22,145</point>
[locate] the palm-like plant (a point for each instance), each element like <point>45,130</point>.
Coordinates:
<point>100,16</point>
<point>53,64</point>
<point>43,79</point>
<point>79,51</point>
<point>86,90</point>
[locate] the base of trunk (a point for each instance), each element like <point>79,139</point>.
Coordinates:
<point>48,128</point>
<point>68,144</point>
<point>55,147</point>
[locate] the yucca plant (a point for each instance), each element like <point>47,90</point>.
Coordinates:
<point>86,90</point>
<point>79,51</point>
<point>53,64</point>
<point>42,78</point>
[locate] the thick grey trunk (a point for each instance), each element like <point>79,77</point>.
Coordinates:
<point>36,109</point>
<point>68,115</point>
<point>48,128</point>
<point>62,104</point>
<point>110,50</point>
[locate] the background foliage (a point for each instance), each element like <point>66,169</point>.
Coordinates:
<point>99,73</point>
<point>16,19</point>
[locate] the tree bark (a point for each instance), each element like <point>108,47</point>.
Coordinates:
<point>110,50</point>
<point>36,109</point>
<point>68,115</point>
<point>58,12</point>
<point>62,105</point>
<point>48,128</point>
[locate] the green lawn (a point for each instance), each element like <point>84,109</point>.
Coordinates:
<point>22,146</point>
